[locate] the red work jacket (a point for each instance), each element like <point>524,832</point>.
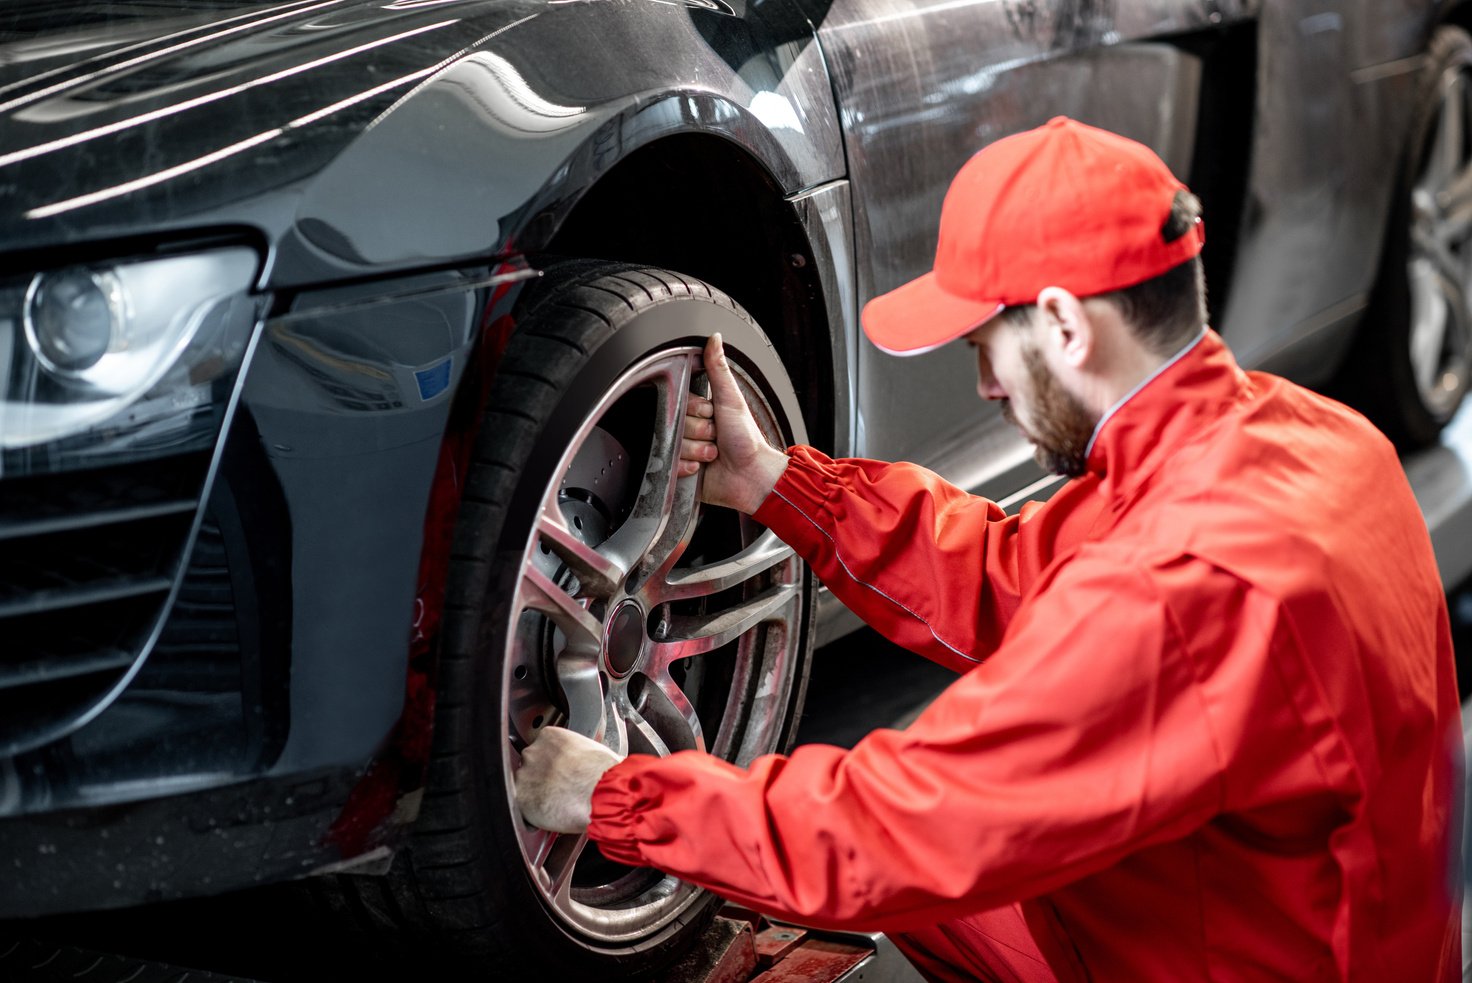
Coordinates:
<point>1207,728</point>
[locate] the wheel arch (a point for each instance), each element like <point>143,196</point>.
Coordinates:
<point>730,225</point>
<point>488,156</point>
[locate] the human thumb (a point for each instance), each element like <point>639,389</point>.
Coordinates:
<point>724,391</point>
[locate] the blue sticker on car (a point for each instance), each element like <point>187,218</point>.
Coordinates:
<point>434,380</point>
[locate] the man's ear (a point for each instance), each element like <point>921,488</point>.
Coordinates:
<point>1067,327</point>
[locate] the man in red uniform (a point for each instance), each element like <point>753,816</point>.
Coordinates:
<point>1207,727</point>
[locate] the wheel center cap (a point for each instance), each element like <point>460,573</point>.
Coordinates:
<point>624,642</point>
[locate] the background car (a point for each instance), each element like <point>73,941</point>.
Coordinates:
<point>342,350</point>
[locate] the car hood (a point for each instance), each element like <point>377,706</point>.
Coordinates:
<point>360,138</point>
<point>123,118</point>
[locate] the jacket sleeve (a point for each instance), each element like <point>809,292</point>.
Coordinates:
<point>890,540</point>
<point>1086,737</point>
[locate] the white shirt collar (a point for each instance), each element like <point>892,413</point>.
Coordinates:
<point>1098,427</point>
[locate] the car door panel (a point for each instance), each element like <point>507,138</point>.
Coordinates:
<point>921,87</point>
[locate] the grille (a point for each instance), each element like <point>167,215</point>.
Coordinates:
<point>202,634</point>
<point>87,561</point>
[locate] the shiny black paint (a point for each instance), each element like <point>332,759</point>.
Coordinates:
<point>389,158</point>
<point>363,139</point>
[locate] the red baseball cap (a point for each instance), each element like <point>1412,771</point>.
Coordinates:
<point>1064,205</point>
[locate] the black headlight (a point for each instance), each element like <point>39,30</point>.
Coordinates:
<point>97,360</point>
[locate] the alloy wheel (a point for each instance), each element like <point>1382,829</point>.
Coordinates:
<point>647,621</point>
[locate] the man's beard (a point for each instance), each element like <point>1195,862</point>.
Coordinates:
<point>1060,427</point>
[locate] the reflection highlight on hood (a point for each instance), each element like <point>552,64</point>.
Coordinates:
<point>158,177</point>
<point>210,97</point>
<point>417,4</point>
<point>511,101</point>
<point>107,40</point>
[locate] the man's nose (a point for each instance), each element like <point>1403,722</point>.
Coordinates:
<point>986,381</point>
<point>987,387</point>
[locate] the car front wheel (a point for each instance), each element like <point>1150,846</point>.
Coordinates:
<point>592,590</point>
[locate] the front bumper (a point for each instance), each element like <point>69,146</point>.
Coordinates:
<point>158,849</point>
<point>264,733</point>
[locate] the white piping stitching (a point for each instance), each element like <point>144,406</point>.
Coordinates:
<point>861,583</point>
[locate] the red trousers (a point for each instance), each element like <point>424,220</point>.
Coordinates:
<point>994,947</point>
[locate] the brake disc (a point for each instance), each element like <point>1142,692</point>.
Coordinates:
<point>596,494</point>
<point>594,497</point>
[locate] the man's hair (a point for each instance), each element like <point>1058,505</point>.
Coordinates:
<point>1165,312</point>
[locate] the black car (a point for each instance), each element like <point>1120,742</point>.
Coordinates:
<point>343,349</point>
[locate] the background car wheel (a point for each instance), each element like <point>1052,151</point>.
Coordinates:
<point>1412,362</point>
<point>592,590</point>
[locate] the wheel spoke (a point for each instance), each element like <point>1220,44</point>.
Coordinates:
<point>1454,202</point>
<point>1446,157</point>
<point>538,843</point>
<point>1430,314</point>
<point>1443,195</point>
<point>762,555</point>
<point>697,635</point>
<point>1455,226</point>
<point>1435,252</point>
<point>582,685</point>
<point>670,713</point>
<point>597,575</point>
<point>577,662</point>
<point>673,539</point>
<point>540,594</point>
<point>616,731</point>
<point>685,505</point>
<point>655,504</point>
<point>644,737</point>
<point>554,858</point>
<point>1456,343</point>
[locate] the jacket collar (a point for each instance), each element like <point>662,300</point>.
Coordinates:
<point>1163,412</point>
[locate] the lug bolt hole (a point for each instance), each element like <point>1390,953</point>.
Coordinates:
<point>520,672</point>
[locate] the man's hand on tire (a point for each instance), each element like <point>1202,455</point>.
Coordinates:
<point>554,786</point>
<point>723,436</point>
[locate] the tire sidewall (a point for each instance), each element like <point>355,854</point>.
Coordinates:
<point>668,324</point>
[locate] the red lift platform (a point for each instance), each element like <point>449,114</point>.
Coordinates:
<point>744,947</point>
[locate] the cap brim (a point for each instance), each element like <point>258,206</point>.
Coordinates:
<point>920,317</point>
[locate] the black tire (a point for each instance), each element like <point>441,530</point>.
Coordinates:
<point>1411,397</point>
<point>468,883</point>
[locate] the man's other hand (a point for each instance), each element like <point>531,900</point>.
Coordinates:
<point>723,436</point>
<point>554,786</point>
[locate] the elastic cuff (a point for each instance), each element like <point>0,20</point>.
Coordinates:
<point>618,799</point>
<point>799,495</point>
